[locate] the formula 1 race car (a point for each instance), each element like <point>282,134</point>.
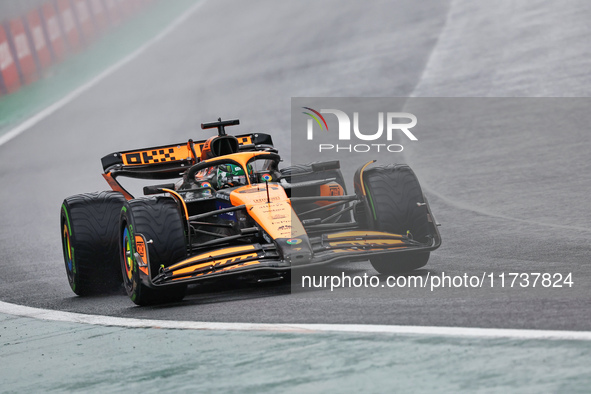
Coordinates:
<point>233,212</point>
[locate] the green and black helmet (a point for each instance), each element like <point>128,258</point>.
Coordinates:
<point>231,175</point>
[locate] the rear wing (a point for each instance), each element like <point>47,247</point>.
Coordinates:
<point>170,161</point>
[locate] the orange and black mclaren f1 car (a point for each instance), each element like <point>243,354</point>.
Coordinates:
<point>231,211</point>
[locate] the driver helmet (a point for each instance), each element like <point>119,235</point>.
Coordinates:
<point>231,175</point>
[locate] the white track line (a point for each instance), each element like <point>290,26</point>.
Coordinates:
<point>69,317</point>
<point>32,121</point>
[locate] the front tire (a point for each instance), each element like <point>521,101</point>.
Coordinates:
<point>160,222</point>
<point>90,235</point>
<point>394,199</point>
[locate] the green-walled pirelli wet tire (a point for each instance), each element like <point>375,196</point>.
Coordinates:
<point>90,241</point>
<point>395,195</point>
<point>160,222</point>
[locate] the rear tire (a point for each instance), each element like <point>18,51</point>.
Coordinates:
<point>160,221</point>
<point>305,173</point>
<point>90,241</point>
<point>393,192</point>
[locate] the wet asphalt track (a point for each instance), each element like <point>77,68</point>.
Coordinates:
<point>246,61</point>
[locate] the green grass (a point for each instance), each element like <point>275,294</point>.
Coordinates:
<point>79,68</point>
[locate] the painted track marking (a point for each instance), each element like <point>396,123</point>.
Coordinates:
<point>464,332</point>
